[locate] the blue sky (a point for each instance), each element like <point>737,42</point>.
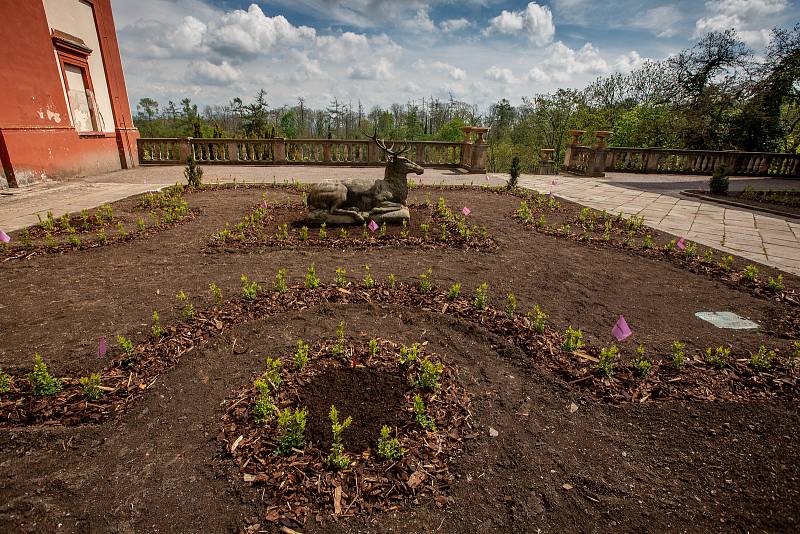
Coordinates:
<point>386,51</point>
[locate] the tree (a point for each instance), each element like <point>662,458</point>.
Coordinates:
<point>255,118</point>
<point>147,108</point>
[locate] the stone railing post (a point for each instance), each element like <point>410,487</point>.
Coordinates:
<point>569,153</point>
<point>651,160</point>
<point>326,152</point>
<point>233,151</point>
<point>184,149</point>
<point>279,151</point>
<point>546,163</point>
<point>373,153</point>
<point>479,148</point>
<point>466,145</point>
<point>420,159</point>
<point>140,149</point>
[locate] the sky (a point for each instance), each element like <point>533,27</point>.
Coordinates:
<point>391,51</point>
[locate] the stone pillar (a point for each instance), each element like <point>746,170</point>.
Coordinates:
<point>280,150</point>
<point>420,160</point>
<point>651,161</point>
<point>479,148</point>
<point>575,135</point>
<point>601,138</point>
<point>326,152</point>
<point>233,151</point>
<point>546,163</point>
<point>597,163</point>
<point>373,153</point>
<point>184,149</point>
<point>466,144</point>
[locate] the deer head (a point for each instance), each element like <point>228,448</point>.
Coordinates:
<point>396,163</point>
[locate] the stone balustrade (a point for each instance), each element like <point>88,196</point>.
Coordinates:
<point>598,159</point>
<point>469,154</point>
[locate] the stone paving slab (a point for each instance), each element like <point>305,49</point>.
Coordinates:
<point>770,240</point>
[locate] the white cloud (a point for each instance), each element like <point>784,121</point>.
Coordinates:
<point>204,72</point>
<point>454,25</point>
<point>379,70</point>
<point>630,61</point>
<point>501,75</point>
<point>750,18</point>
<point>535,22</point>
<point>453,72</point>
<point>351,46</point>
<point>420,23</point>
<point>412,88</point>
<point>664,21</point>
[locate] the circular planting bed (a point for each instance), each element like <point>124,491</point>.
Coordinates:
<point>401,415</point>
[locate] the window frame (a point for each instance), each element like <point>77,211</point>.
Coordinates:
<point>71,51</point>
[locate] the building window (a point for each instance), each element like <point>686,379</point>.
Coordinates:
<point>73,56</point>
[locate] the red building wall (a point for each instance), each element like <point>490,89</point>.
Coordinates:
<point>37,139</point>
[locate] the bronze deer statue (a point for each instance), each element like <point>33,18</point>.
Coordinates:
<point>360,199</point>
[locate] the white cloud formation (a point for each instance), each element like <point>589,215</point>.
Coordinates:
<point>420,23</point>
<point>454,25</point>
<point>351,46</point>
<point>204,72</point>
<point>453,72</point>
<point>379,70</point>
<point>535,22</point>
<point>500,74</point>
<point>750,18</point>
<point>663,21</point>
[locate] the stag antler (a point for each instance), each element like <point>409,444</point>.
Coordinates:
<point>382,145</point>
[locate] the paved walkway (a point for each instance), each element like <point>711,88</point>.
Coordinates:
<point>763,238</point>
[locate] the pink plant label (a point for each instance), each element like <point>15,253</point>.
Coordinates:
<point>4,237</point>
<point>372,226</point>
<point>621,330</point>
<point>466,211</point>
<point>264,204</point>
<point>102,347</point>
<point>487,177</point>
<point>681,244</point>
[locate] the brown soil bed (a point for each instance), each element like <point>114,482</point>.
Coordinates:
<point>550,467</point>
<point>785,203</point>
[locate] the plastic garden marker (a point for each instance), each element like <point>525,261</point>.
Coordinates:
<point>372,226</point>
<point>4,237</point>
<point>621,330</point>
<point>681,244</point>
<point>466,211</point>
<point>101,347</point>
<point>487,177</point>
<point>264,204</point>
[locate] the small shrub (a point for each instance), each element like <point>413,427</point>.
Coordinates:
<point>273,372</point>
<point>5,382</point>
<point>249,289</point>
<point>369,282</point>
<point>339,279</point>
<point>339,348</point>
<point>193,173</point>
<point>404,230</point>
<point>726,263</point>
<point>454,291</point>
<point>91,386</point>
<point>304,233</point>
<point>280,281</point>
<point>392,281</point>
<point>718,357</point>
<point>481,296</point>
<point>678,355</point>
<point>775,284</point>
<point>42,383</point>
<point>101,236</point>
<point>425,284</point>
<point>425,230</point>
<point>312,282</point>
<point>323,233</point>
<point>337,459</point>
<point>641,364</point>
<point>382,231</point>
<point>283,232</point>
<point>750,273</point>
<point>429,375</point>
<point>373,348</point>
<point>140,224</point>
<point>514,173</point>
<point>264,408</point>
<point>409,355</point>
<point>156,329</point>
<point>537,319</point>
<point>388,446</point>
<point>301,355</point>
<point>216,292</point>
<point>719,182</point>
<point>187,312</point>
<point>794,355</point>
<point>690,249</point>
<point>647,242</point>
<point>292,429</point>
<point>607,361</point>
<point>762,360</point>
<point>573,340</point>
<point>343,233</point>
<point>421,415</point>
<point>511,305</point>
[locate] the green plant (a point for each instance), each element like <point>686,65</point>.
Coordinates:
<point>719,182</point>
<point>337,459</point>
<point>454,291</point>
<point>369,282</point>
<point>690,249</point>
<point>670,247</point>
<point>373,348</point>
<point>513,173</point>
<point>304,233</point>
<point>678,355</point>
<point>404,229</point>
<point>425,284</point>
<point>101,236</point>
<point>382,231</point>
<point>125,345</point>
<point>537,319</point>
<point>193,173</point>
<point>607,361</point>
<point>73,239</point>
<point>392,281</point>
<point>388,446</point>
<point>339,279</point>
<point>429,375</point>
<point>343,233</point>
<point>91,386</point>
<point>408,355</point>
<point>339,348</point>
<point>708,255</point>
<point>187,312</point>
<point>481,296</point>
<point>647,242</point>
<point>511,305</point>
<point>280,281</point>
<point>42,383</point>
<point>443,234</point>
<point>775,284</point>
<point>283,232</point>
<point>573,340</point>
<point>264,408</point>
<point>156,329</point>
<point>5,382</point>
<point>273,372</point>
<point>292,429</point>
<point>312,281</point>
<point>541,222</point>
<point>726,263</point>
<point>249,289</point>
<point>121,230</point>
<point>718,357</point>
<point>794,355</point>
<point>216,292</point>
<point>140,224</point>
<point>762,360</point>
<point>641,364</point>
<point>301,355</point>
<point>323,233</point>
<point>750,273</point>
<point>421,415</point>
<point>426,228</point>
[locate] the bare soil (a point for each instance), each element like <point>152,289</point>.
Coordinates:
<point>563,458</point>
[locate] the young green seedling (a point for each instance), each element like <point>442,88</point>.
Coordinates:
<point>337,459</point>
